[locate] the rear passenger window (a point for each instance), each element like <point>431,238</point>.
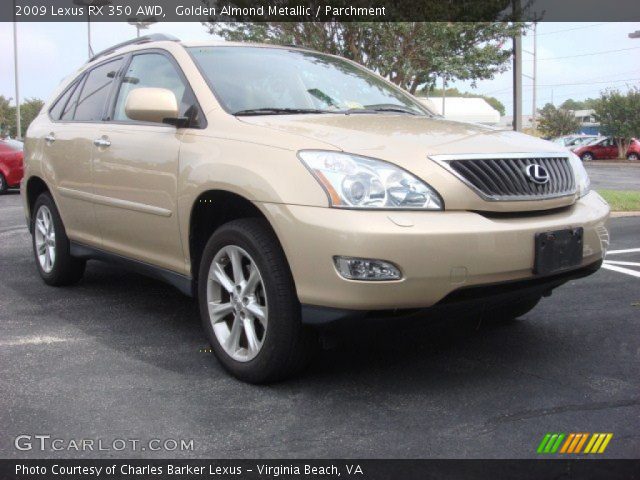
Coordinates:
<point>95,92</point>
<point>70,108</point>
<point>156,71</point>
<point>56,111</point>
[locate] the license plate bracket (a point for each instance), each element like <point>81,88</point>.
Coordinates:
<point>558,250</point>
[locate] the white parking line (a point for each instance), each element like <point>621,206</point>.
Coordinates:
<point>33,340</point>
<point>629,264</point>
<point>628,250</point>
<point>615,268</point>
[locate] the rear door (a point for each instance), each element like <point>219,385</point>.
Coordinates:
<point>68,148</point>
<point>136,168</point>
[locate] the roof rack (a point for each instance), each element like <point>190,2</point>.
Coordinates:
<point>154,37</point>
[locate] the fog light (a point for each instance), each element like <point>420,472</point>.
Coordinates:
<point>366,269</point>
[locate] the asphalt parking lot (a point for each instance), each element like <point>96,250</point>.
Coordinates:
<point>615,176</point>
<point>120,356</point>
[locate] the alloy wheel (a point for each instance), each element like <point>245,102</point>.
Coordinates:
<point>237,303</point>
<point>45,238</point>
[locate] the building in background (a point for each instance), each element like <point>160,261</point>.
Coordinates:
<point>464,109</point>
<point>588,123</point>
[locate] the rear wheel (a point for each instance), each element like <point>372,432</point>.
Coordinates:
<point>632,156</point>
<point>3,184</point>
<point>51,245</point>
<point>510,311</point>
<point>248,304</point>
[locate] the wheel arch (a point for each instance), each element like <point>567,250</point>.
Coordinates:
<point>35,187</point>
<point>212,209</point>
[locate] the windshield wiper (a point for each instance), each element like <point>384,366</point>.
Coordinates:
<point>278,111</point>
<point>382,108</point>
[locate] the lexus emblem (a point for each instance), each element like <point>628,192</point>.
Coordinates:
<point>537,173</point>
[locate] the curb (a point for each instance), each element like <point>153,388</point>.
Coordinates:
<point>624,214</point>
<point>611,163</point>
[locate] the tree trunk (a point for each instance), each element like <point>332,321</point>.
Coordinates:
<point>623,146</point>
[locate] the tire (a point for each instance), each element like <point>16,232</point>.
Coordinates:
<point>268,312</point>
<point>3,184</point>
<point>632,156</point>
<point>56,265</point>
<point>510,311</point>
<point>587,157</point>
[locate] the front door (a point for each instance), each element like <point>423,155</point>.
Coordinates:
<point>136,169</point>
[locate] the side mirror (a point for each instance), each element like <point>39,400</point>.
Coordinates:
<point>151,105</point>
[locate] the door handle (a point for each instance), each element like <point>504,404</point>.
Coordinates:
<point>50,138</point>
<point>101,142</point>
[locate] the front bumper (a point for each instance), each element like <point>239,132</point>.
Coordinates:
<point>437,252</point>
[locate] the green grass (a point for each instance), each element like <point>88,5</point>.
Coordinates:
<point>622,200</point>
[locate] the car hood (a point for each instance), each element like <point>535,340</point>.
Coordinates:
<point>393,136</point>
<point>408,141</point>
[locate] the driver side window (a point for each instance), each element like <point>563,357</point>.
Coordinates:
<point>154,70</point>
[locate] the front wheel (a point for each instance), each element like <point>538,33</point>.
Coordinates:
<point>587,157</point>
<point>632,156</point>
<point>248,304</point>
<point>3,184</point>
<point>51,245</point>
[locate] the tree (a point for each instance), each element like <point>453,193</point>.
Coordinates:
<point>29,110</point>
<point>410,54</point>
<point>571,104</point>
<point>554,122</point>
<point>454,92</point>
<point>618,116</point>
<point>586,104</point>
<point>6,114</point>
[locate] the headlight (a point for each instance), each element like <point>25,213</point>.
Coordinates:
<point>351,181</point>
<point>582,178</point>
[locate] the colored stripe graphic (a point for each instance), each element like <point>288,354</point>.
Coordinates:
<point>598,442</point>
<point>551,442</point>
<point>582,440</point>
<point>572,443</point>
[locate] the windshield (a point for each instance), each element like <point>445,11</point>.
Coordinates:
<point>259,80</point>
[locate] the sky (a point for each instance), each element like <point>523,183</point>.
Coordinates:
<point>575,60</point>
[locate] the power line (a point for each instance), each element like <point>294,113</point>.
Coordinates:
<point>575,28</point>
<point>590,54</point>
<point>585,83</point>
<point>589,82</point>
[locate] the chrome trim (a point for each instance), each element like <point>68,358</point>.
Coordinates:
<point>444,159</point>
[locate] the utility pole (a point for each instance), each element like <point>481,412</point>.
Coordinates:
<point>517,71</point>
<point>444,88</point>
<point>533,77</point>
<point>86,4</point>
<point>15,67</point>
<point>142,24</point>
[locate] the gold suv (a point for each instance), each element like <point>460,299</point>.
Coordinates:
<point>285,188</point>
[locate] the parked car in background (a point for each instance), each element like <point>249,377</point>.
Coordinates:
<point>11,165</point>
<point>633,152</point>
<point>564,140</point>
<point>574,141</point>
<point>601,149</point>
<point>583,140</point>
<point>14,143</point>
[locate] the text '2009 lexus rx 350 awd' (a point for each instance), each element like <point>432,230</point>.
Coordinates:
<point>285,188</point>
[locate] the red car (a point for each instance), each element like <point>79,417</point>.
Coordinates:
<point>606,148</point>
<point>11,166</point>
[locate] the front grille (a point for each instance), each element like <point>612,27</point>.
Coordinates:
<point>505,177</point>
